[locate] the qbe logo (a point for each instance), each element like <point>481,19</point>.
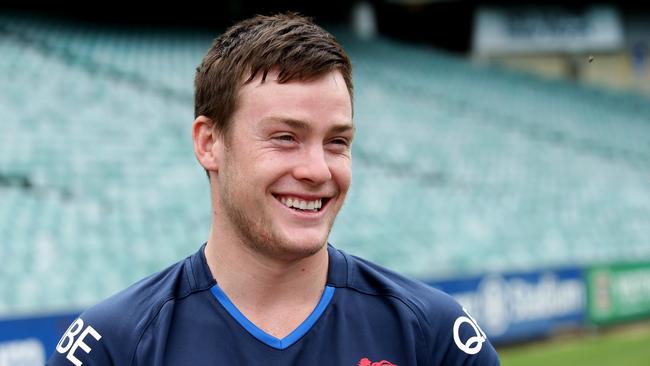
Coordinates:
<point>474,343</point>
<point>69,343</point>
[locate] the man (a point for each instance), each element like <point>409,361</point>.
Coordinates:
<point>274,130</point>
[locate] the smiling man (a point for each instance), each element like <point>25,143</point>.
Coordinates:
<point>274,131</point>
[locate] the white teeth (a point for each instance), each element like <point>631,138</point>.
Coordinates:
<point>302,204</point>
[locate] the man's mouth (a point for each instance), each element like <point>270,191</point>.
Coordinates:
<point>300,204</point>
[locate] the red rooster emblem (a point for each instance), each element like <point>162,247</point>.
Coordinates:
<point>366,362</point>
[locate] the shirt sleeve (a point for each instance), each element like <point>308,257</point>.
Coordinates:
<point>469,344</point>
<point>457,339</point>
<point>81,345</point>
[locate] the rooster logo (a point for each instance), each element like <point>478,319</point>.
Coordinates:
<point>367,362</point>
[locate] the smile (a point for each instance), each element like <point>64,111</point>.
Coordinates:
<point>300,204</point>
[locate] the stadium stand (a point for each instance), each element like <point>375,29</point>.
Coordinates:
<point>459,169</point>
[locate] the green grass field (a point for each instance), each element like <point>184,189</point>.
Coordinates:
<point>622,347</point>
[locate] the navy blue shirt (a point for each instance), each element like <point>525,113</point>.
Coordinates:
<point>367,316</point>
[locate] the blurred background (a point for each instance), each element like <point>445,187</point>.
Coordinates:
<point>502,155</point>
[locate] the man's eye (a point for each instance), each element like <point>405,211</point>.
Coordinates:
<point>343,142</point>
<point>284,138</point>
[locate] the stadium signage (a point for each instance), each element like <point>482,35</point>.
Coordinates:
<point>25,352</point>
<point>545,29</point>
<point>29,341</point>
<point>517,306</point>
<point>618,292</point>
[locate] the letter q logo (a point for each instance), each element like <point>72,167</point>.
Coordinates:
<point>474,343</point>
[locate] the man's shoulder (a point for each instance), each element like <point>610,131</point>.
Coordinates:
<point>368,277</point>
<point>444,323</point>
<point>118,322</point>
<point>130,308</point>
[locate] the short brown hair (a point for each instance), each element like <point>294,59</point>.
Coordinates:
<point>289,42</point>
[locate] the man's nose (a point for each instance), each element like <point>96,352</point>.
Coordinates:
<point>313,166</point>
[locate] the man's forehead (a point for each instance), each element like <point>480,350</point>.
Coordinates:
<point>324,101</point>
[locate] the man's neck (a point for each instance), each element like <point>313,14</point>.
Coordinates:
<point>276,295</point>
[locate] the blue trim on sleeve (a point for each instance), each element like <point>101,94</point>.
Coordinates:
<point>266,338</point>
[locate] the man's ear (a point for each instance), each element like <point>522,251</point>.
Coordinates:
<point>206,143</point>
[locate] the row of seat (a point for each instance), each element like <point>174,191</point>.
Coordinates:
<point>458,168</point>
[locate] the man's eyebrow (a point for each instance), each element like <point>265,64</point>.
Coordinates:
<point>302,125</point>
<point>342,128</point>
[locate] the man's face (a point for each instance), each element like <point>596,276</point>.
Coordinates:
<point>286,165</point>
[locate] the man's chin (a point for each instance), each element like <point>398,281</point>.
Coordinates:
<point>292,251</point>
